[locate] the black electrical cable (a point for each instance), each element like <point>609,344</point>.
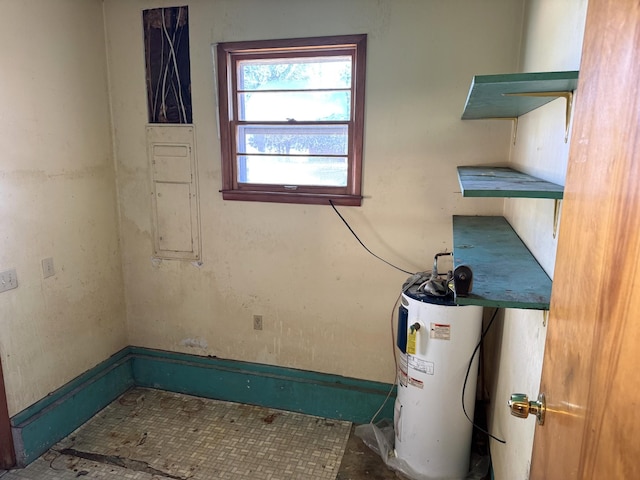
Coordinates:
<point>365,247</point>
<point>466,377</point>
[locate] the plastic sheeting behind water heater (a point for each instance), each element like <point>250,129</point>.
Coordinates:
<point>433,436</point>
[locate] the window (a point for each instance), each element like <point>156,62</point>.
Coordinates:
<point>292,119</point>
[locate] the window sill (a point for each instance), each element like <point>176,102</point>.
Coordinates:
<point>290,197</point>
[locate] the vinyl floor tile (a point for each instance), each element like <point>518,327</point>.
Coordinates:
<point>155,435</point>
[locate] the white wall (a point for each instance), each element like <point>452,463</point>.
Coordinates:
<point>58,198</point>
<point>552,41</point>
<point>326,303</point>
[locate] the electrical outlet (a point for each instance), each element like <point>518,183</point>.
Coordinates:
<point>257,322</point>
<point>8,280</point>
<point>47,268</point>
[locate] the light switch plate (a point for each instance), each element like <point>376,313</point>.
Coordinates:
<point>8,280</point>
<point>47,268</point>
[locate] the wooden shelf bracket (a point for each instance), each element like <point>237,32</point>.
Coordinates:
<point>556,215</point>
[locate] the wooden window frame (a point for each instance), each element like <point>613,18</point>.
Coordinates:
<point>228,54</point>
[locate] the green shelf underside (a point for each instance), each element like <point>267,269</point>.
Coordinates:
<point>505,274</point>
<point>505,182</point>
<point>488,96</point>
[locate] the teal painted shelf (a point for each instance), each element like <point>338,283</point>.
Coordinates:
<point>500,96</point>
<point>505,273</point>
<point>505,182</point>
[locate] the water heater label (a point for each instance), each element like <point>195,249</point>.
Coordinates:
<point>416,383</point>
<point>402,370</point>
<point>440,331</point>
<point>411,342</point>
<point>420,365</point>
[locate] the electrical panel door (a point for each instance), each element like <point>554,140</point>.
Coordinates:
<point>174,179</point>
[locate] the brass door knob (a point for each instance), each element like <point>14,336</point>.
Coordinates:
<point>521,407</point>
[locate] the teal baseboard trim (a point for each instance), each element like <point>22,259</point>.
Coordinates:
<point>40,426</point>
<point>69,387</point>
<point>312,393</point>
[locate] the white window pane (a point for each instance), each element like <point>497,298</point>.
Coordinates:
<point>299,106</point>
<point>286,170</point>
<point>295,73</point>
<point>293,139</point>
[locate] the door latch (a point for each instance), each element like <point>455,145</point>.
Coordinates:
<point>521,407</point>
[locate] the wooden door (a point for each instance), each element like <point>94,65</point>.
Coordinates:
<point>591,371</point>
<point>7,456</point>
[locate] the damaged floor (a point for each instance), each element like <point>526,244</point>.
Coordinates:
<point>155,435</point>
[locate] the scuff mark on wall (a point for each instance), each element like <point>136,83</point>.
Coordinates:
<point>194,343</point>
